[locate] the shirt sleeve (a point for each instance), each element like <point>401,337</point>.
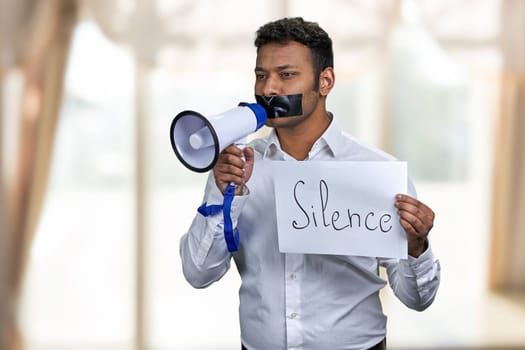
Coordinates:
<point>415,281</point>
<point>203,250</point>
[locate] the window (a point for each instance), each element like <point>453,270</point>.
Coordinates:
<point>80,286</point>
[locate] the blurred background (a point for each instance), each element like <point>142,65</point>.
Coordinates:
<point>93,201</point>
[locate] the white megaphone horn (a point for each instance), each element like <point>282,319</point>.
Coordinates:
<point>198,140</point>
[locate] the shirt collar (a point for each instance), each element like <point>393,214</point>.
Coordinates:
<point>273,147</point>
<point>332,138</point>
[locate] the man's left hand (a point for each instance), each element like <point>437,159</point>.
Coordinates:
<point>416,219</point>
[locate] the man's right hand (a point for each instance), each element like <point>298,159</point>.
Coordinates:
<point>234,165</point>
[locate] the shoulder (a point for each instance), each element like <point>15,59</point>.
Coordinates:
<point>357,150</point>
<point>352,148</point>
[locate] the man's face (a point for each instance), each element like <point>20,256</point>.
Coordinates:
<point>286,69</point>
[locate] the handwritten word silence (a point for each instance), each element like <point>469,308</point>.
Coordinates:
<point>317,213</point>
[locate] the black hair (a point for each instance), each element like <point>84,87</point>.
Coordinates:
<point>307,33</point>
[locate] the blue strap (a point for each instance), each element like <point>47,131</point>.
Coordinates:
<point>231,236</point>
<point>207,210</point>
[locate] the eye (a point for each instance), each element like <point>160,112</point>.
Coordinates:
<point>260,76</point>
<point>287,75</point>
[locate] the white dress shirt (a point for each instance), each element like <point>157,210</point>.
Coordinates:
<point>301,301</point>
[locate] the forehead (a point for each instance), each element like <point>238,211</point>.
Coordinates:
<point>273,55</point>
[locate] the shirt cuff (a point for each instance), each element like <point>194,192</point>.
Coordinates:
<point>412,267</point>
<point>425,269</point>
<point>215,196</point>
<point>426,259</point>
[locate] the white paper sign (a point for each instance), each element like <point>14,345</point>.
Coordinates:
<point>340,207</point>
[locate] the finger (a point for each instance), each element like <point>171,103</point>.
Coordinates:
<point>405,200</point>
<point>228,159</point>
<point>416,208</point>
<point>407,226</point>
<point>229,172</point>
<point>225,172</point>
<point>412,224</point>
<point>249,162</point>
<point>248,153</point>
<point>232,149</point>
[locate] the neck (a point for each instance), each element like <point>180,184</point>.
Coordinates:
<point>298,141</point>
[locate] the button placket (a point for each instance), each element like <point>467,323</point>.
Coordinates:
<point>293,265</point>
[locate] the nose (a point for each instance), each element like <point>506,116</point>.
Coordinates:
<point>271,86</point>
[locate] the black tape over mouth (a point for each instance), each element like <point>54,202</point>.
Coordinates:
<point>279,106</point>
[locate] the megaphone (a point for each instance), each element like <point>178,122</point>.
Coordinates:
<point>198,140</point>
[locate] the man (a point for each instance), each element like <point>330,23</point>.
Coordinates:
<point>301,301</point>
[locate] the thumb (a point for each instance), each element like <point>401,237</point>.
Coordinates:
<point>248,162</point>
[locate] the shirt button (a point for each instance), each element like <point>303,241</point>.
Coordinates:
<point>292,276</point>
<point>293,315</point>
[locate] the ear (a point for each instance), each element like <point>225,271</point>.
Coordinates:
<point>326,81</point>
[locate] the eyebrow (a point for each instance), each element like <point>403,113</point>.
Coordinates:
<point>278,68</point>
